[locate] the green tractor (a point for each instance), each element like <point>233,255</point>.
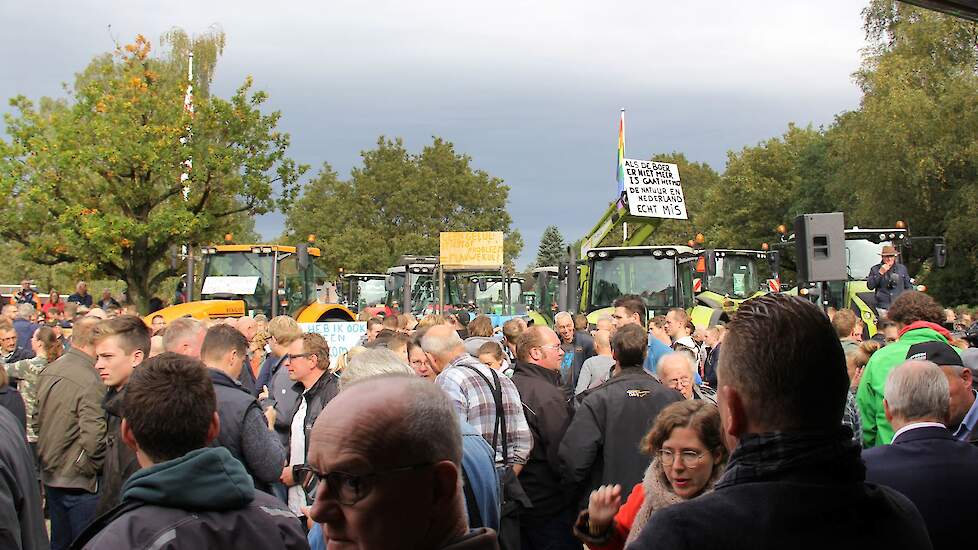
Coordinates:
<point>726,278</point>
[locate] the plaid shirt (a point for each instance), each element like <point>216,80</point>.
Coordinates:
<point>476,406</point>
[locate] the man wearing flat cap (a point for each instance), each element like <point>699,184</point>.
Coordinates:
<point>888,278</point>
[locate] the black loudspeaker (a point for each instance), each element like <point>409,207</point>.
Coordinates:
<point>820,244</point>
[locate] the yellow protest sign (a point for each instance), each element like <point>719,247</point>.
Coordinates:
<point>472,249</point>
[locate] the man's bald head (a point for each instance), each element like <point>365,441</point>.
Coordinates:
<point>248,327</point>
<point>399,415</point>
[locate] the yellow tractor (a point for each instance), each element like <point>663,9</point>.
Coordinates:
<point>247,279</point>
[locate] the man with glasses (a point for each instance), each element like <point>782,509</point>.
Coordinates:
<point>386,480</point>
<point>600,445</point>
<point>8,345</point>
<point>677,371</point>
<point>186,494</point>
<point>537,377</point>
<point>307,364</point>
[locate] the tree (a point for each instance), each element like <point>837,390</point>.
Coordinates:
<point>397,203</point>
<point>909,151</point>
<point>94,180</point>
<point>551,250</point>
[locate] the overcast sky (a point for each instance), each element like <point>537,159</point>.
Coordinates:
<point>530,90</point>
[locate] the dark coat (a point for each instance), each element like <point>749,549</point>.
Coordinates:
<point>11,400</point>
<point>120,460</point>
<point>583,349</point>
<point>317,397</point>
<point>710,366</point>
<point>887,287</point>
<point>601,445</point>
<point>797,509</point>
<point>21,516</point>
<point>547,414</point>
<point>938,474</point>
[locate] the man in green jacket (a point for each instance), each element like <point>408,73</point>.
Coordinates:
<point>919,318</point>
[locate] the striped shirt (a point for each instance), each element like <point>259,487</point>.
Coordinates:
<point>476,406</point>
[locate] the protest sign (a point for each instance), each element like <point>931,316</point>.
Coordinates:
<point>653,190</point>
<point>339,336</point>
<point>472,249</point>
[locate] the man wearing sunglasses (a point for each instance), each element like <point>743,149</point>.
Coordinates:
<point>387,457</point>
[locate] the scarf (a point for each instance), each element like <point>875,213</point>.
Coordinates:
<point>657,494</point>
<point>771,456</point>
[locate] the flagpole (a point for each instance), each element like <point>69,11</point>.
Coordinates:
<point>188,106</point>
<point>621,179</point>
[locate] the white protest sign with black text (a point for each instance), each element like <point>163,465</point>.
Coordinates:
<point>339,336</point>
<point>653,190</point>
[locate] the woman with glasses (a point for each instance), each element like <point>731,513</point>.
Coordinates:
<point>688,456</point>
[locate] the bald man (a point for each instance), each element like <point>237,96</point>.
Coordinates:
<point>596,370</point>
<point>389,482</point>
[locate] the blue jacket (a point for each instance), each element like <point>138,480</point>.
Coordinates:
<point>479,465</point>
<point>890,285</point>
<point>938,474</point>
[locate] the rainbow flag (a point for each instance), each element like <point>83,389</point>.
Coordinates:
<point>621,154</point>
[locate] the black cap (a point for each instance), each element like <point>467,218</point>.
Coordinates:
<point>939,353</point>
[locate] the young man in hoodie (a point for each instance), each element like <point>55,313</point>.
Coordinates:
<point>121,345</point>
<point>919,318</point>
<point>186,494</point>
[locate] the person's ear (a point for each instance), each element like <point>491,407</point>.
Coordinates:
<point>734,415</point>
<point>128,437</point>
<point>214,429</point>
<point>444,488</point>
<point>966,377</point>
<point>137,357</point>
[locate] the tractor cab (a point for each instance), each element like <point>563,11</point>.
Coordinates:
<point>365,292</point>
<point>245,280</point>
<point>659,274</point>
<point>413,286</point>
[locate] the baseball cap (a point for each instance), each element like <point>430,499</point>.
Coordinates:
<point>939,353</point>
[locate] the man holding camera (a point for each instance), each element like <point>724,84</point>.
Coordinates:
<point>888,278</point>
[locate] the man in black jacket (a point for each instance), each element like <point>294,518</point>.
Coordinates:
<point>601,446</point>
<point>244,428</point>
<point>537,377</point>
<point>307,364</point>
<point>578,347</point>
<point>121,345</point>
<point>21,518</point>
<point>794,479</point>
<point>186,494</point>
<point>924,462</point>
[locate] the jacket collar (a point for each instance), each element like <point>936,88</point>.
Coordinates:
<point>320,384</point>
<point>112,402</point>
<point>923,432</point>
<point>536,371</point>
<point>81,355</point>
<point>221,378</point>
<point>926,324</point>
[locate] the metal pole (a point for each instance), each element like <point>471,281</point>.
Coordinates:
<point>506,296</point>
<point>189,288</point>
<point>441,289</point>
<point>275,283</point>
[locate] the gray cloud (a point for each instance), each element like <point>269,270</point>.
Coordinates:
<point>530,90</point>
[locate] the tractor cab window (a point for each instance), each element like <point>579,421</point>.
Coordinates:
<point>370,293</point>
<point>861,256</point>
<point>292,285</point>
<point>243,264</point>
<point>736,277</point>
<point>652,279</point>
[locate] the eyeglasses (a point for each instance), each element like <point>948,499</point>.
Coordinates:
<point>690,459</point>
<point>552,346</point>
<point>300,355</point>
<point>347,489</point>
<point>679,382</point>
<point>8,339</point>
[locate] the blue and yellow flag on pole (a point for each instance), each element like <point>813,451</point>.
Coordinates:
<point>621,154</point>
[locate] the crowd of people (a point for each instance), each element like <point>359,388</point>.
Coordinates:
<point>782,428</point>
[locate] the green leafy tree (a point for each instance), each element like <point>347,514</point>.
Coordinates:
<point>910,151</point>
<point>94,180</point>
<point>397,203</point>
<point>552,246</point>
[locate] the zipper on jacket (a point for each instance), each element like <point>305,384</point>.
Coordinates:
<point>81,455</point>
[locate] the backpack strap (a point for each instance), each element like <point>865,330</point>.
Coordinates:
<point>497,396</point>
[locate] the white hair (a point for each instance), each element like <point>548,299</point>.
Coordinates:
<point>439,345</point>
<point>563,315</point>
<point>917,389</point>
<point>25,311</point>
<point>373,362</point>
<point>180,330</point>
<point>690,363</point>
